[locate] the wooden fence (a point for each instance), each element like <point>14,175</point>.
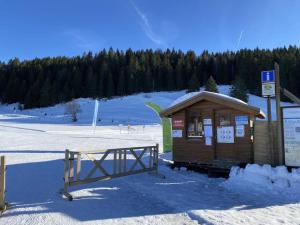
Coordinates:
<point>265,150</point>
<point>112,163</point>
<point>3,204</point>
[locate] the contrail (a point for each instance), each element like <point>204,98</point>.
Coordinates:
<point>146,25</point>
<point>239,40</point>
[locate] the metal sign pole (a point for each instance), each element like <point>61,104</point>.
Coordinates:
<point>268,90</point>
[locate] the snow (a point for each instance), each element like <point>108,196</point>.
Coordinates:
<point>34,145</point>
<point>121,110</point>
<point>277,182</point>
<point>192,94</point>
<point>224,91</point>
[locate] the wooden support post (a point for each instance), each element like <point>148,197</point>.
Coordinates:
<point>125,158</point>
<point>66,171</point>
<point>78,166</point>
<point>290,95</point>
<point>71,159</point>
<point>278,116</point>
<point>115,162</point>
<point>156,158</point>
<point>2,183</point>
<point>270,133</point>
<point>150,157</point>
<point>120,161</point>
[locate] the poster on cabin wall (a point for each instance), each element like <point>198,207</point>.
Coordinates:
<point>240,131</point>
<point>225,134</point>
<point>207,121</point>
<point>208,141</point>
<point>208,131</point>
<point>177,123</point>
<point>291,135</point>
<point>241,120</point>
<point>176,133</point>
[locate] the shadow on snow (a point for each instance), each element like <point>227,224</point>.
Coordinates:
<point>37,185</point>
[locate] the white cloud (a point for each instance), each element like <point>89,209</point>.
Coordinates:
<point>239,40</point>
<point>83,40</point>
<point>147,27</point>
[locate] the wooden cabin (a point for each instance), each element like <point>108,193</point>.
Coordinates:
<point>210,127</point>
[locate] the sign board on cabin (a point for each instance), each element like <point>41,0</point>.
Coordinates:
<point>268,83</point>
<point>225,134</point>
<point>268,89</point>
<point>240,131</point>
<point>177,123</point>
<point>268,76</point>
<point>291,135</point>
<point>176,133</point>
<point>241,120</point>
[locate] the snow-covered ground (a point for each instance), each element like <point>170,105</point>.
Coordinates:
<point>34,144</point>
<point>125,110</point>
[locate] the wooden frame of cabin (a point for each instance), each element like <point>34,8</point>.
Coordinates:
<point>199,122</point>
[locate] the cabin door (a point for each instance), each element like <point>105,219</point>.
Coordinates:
<point>224,136</point>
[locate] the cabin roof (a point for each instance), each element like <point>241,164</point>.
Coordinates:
<point>192,98</point>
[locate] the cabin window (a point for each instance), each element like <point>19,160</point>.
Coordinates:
<point>195,126</point>
<point>225,120</point>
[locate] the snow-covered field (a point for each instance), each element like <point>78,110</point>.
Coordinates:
<point>34,143</point>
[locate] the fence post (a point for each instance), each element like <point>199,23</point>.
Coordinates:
<point>156,158</point>
<point>150,157</point>
<point>2,183</point>
<point>71,160</point>
<point>78,166</point>
<point>125,158</point>
<point>66,171</point>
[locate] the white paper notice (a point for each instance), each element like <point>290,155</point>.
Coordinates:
<point>225,134</point>
<point>208,131</point>
<point>240,131</point>
<point>291,129</point>
<point>177,133</point>
<point>207,121</point>
<point>207,140</point>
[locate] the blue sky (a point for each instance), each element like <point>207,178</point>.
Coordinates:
<point>40,28</point>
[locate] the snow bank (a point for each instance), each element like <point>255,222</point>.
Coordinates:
<point>265,179</point>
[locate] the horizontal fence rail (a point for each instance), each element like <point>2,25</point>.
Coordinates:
<point>83,167</point>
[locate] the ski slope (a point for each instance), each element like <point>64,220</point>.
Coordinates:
<point>34,142</point>
<point>124,110</point>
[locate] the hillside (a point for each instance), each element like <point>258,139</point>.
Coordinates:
<point>44,82</point>
<point>124,110</point>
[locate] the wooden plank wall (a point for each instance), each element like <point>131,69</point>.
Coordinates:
<point>195,151</point>
<point>262,154</point>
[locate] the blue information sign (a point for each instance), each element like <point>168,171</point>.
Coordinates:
<point>268,76</point>
<point>241,120</point>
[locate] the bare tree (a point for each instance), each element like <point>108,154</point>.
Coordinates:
<point>72,108</point>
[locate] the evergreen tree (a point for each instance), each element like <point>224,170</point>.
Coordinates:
<point>147,84</point>
<point>90,83</point>
<point>110,91</point>
<point>45,98</point>
<point>121,85</point>
<point>239,90</point>
<point>211,85</point>
<point>179,75</point>
<point>47,81</point>
<point>193,83</point>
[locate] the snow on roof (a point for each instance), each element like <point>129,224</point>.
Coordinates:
<point>192,94</point>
